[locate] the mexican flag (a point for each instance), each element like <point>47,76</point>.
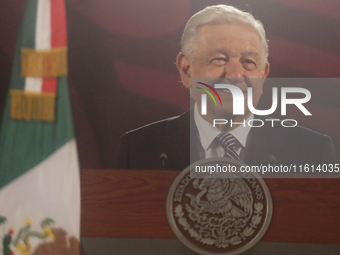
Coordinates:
<point>39,172</point>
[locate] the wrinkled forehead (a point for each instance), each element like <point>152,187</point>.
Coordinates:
<point>228,37</point>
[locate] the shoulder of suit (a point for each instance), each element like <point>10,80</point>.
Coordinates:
<point>161,125</point>
<point>298,130</point>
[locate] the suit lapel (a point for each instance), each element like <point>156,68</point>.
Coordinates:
<point>261,146</point>
<point>179,133</point>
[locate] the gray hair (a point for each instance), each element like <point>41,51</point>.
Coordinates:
<point>219,14</point>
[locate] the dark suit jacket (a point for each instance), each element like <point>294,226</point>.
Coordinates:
<point>141,148</point>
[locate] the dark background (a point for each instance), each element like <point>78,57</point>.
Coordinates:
<point>121,62</point>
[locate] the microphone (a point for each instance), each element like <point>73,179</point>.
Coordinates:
<point>272,160</point>
<point>163,157</point>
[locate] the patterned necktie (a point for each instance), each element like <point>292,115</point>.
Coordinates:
<point>227,141</point>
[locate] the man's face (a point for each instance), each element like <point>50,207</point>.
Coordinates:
<point>233,52</point>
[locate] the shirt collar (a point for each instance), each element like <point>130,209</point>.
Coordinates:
<point>208,133</point>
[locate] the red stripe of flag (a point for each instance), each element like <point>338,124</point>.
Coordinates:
<point>58,38</point>
<point>49,85</point>
<point>58,24</point>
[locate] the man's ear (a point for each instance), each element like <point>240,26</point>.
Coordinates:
<point>183,66</point>
<point>265,70</point>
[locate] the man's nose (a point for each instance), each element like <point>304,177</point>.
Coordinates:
<point>234,69</point>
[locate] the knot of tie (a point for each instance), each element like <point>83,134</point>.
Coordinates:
<point>227,141</point>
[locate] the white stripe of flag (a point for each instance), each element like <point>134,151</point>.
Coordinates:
<point>42,40</point>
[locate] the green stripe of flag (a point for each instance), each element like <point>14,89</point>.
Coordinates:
<point>26,39</point>
<point>29,25</point>
<point>24,144</point>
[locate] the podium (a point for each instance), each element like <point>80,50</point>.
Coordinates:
<point>132,204</point>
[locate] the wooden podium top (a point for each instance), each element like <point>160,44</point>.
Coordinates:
<point>132,204</point>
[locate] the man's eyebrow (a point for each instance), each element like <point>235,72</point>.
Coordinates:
<point>244,54</point>
<point>250,53</point>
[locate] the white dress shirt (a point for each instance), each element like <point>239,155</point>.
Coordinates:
<point>207,134</point>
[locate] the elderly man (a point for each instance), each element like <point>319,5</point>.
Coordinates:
<point>221,42</point>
